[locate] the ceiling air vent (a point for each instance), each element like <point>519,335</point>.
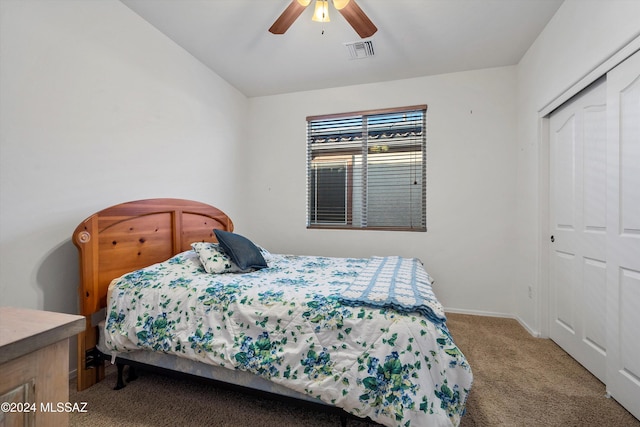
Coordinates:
<point>360,49</point>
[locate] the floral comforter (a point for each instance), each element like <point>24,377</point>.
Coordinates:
<point>288,323</point>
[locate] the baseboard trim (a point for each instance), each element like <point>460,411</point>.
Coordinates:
<point>522,323</point>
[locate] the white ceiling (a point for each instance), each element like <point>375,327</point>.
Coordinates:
<point>415,38</point>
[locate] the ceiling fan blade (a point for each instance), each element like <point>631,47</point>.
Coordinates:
<point>286,19</point>
<point>358,19</point>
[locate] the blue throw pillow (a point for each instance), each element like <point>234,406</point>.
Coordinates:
<point>242,251</point>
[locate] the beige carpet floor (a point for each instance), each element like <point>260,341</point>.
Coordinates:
<point>519,380</point>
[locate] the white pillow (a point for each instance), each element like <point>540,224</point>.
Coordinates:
<point>214,259</point>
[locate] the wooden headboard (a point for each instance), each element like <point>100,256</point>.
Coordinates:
<point>127,237</point>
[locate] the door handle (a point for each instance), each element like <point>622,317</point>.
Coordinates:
<point>553,239</point>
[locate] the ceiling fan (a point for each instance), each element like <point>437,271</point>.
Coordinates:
<point>349,9</point>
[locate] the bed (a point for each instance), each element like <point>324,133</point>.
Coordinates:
<point>168,283</point>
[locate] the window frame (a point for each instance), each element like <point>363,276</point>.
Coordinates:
<point>422,227</point>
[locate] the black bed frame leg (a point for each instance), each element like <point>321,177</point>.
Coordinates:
<point>119,382</point>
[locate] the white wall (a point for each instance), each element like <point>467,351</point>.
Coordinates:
<point>96,108</point>
<point>470,181</point>
<point>581,36</point>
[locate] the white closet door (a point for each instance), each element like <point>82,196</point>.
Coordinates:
<point>623,234</point>
<point>578,228</point>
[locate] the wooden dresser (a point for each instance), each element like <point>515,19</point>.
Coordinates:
<point>34,366</point>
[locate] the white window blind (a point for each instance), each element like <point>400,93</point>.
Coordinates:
<point>367,170</point>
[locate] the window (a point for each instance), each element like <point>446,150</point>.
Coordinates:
<point>367,170</point>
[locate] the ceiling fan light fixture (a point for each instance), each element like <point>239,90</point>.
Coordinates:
<point>340,4</point>
<point>349,10</point>
<point>321,12</point>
